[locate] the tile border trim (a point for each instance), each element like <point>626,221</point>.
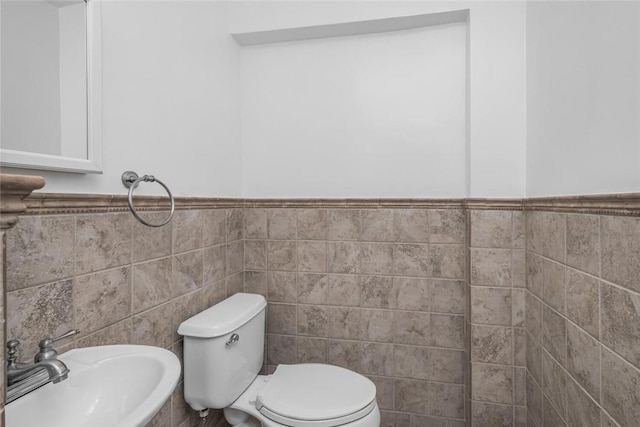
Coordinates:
<point>626,204</point>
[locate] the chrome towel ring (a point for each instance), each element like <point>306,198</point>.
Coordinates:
<point>131,180</point>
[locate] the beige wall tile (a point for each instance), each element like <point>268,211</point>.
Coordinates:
<point>151,284</point>
<point>581,409</point>
<point>281,255</point>
<point>343,224</point>
<point>188,272</point>
<point>282,223</point>
<point>621,251</point>
<point>234,224</point>
<point>153,327</point>
<point>491,267</point>
<point>534,403</point>
<point>491,306</point>
<point>534,358</point>
<point>187,230</point>
<point>377,225</point>
<point>491,229</point>
<point>554,383</point>
<point>411,396</point>
<point>312,256</point>
<point>411,293</point>
<point>411,260</point>
<point>378,325</point>
<point>520,386</point>
<point>103,241</point>
<point>255,223</point>
<point>447,331</point>
<point>518,269</point>
<point>533,316</point>
<point>102,299</point>
<point>518,307</point>
<point>312,350</point>
<point>119,333</point>
<point>412,362</point>
<point>446,400</point>
<point>281,349</point>
<point>151,242</point>
<point>378,292</point>
<point>235,257</point>
<point>620,321</point>
<point>546,234</point>
<point>553,285</point>
<point>554,332</point>
<point>447,261</point>
<point>347,354</point>
<point>447,226</point>
<point>447,365</point>
<point>534,279</point>
<point>491,344</point>
<point>281,319</point>
<point>583,360</point>
<point>384,391</point>
<point>620,389</point>
<point>215,263</point>
<point>214,293</point>
<point>343,257</point>
<point>492,383</point>
<point>312,320</point>
<point>40,249</point>
<point>255,254</point>
<point>582,301</point>
<point>312,288</point>
<point>375,258</point>
<point>214,227</point>
<point>583,242</point>
<point>39,312</point>
<point>518,236</point>
<point>345,322</point>
<point>344,289</point>
<point>491,415</point>
<point>411,225</point>
<point>377,359</point>
<point>411,327</point>
<point>519,346</point>
<point>550,415</point>
<point>312,224</point>
<point>255,282</point>
<point>281,287</point>
<point>235,284</point>
<point>184,307</point>
<point>447,296</point>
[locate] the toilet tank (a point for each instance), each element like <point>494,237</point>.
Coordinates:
<point>216,369</point>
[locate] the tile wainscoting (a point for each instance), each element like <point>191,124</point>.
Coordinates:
<point>431,299</point>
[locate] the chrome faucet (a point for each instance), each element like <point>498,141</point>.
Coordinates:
<point>23,378</point>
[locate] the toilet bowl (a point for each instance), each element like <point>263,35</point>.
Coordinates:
<point>223,353</point>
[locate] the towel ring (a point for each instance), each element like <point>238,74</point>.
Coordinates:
<point>131,180</point>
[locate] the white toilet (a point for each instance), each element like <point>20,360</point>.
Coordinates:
<point>223,353</point>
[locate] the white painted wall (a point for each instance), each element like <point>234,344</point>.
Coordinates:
<point>170,101</point>
<point>73,80</point>
<point>583,97</point>
<point>497,131</point>
<point>374,115</point>
<point>30,75</point>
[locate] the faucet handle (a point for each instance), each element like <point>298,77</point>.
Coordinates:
<point>12,349</point>
<point>46,346</point>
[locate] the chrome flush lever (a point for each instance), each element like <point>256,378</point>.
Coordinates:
<point>234,339</point>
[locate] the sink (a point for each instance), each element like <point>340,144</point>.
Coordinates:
<point>108,386</point>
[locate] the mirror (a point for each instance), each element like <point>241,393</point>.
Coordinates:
<point>50,85</point>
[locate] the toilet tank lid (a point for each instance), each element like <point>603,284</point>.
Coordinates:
<point>224,317</point>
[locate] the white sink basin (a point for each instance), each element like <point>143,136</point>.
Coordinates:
<point>108,386</point>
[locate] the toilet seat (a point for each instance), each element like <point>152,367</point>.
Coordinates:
<point>315,395</point>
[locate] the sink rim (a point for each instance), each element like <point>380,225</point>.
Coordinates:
<point>84,359</point>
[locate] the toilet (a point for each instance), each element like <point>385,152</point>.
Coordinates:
<point>223,354</point>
